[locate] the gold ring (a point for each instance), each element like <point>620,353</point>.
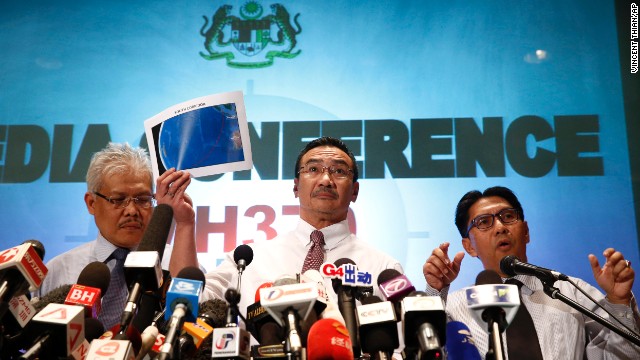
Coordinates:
<point>171,194</point>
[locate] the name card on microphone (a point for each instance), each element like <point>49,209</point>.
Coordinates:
<point>185,291</point>
<point>21,309</point>
<point>375,313</point>
<point>397,288</point>
<point>198,330</point>
<point>481,297</point>
<point>25,258</point>
<point>107,349</point>
<point>422,303</point>
<point>231,342</point>
<point>143,260</point>
<point>347,273</point>
<point>278,298</point>
<point>86,296</point>
<point>65,322</point>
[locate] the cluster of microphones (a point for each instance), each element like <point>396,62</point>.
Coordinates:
<point>292,317</point>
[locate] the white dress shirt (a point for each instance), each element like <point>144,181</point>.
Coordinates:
<point>284,255</point>
<point>563,332</point>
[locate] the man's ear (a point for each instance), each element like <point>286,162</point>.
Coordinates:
<point>468,247</point>
<point>356,189</point>
<point>295,187</point>
<point>526,232</point>
<point>90,200</point>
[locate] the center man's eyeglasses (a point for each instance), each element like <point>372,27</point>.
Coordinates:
<point>338,171</point>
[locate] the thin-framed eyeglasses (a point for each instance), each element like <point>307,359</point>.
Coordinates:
<point>485,221</point>
<point>142,201</point>
<point>337,171</point>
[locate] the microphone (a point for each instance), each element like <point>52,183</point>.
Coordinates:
<point>328,339</point>
<point>231,341</point>
<point>347,305</point>
<point>243,255</point>
<point>394,285</point>
<point>314,277</point>
<point>460,344</point>
<point>424,325</point>
<point>92,284</point>
<point>289,305</point>
<point>58,330</point>
<point>55,296</point>
<point>491,300</point>
<point>258,319</point>
<point>495,304</point>
<point>512,266</point>
<point>110,349</point>
<point>142,267</point>
<point>377,327</point>
<point>21,271</point>
<point>264,285</point>
<point>182,305</point>
<point>214,313</point>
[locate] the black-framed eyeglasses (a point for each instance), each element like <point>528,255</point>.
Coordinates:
<point>143,201</point>
<point>338,171</point>
<point>485,221</point>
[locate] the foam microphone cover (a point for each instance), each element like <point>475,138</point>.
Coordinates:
<point>329,339</point>
<point>488,277</point>
<point>96,275</point>
<point>243,255</point>
<point>214,312</point>
<point>55,296</point>
<point>386,275</point>
<point>157,231</point>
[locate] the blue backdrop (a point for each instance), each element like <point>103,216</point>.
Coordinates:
<point>435,98</point>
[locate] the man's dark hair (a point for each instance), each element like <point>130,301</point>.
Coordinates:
<point>327,141</point>
<point>470,198</point>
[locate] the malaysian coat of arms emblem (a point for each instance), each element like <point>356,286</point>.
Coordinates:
<point>250,35</point>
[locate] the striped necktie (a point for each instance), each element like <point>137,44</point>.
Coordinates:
<point>116,297</point>
<point>315,256</point>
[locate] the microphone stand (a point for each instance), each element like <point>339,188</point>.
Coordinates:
<point>496,348</point>
<point>554,293</point>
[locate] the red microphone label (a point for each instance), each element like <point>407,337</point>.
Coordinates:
<point>86,296</point>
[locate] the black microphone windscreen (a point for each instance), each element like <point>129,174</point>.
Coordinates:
<point>55,296</point>
<point>343,261</point>
<point>96,275</point>
<point>191,273</point>
<point>387,274</point>
<point>487,277</point>
<point>243,252</point>
<point>214,312</point>
<point>507,263</point>
<point>157,231</point>
<point>37,246</point>
<point>370,300</point>
<point>93,329</point>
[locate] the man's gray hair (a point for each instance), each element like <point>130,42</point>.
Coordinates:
<point>117,158</point>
